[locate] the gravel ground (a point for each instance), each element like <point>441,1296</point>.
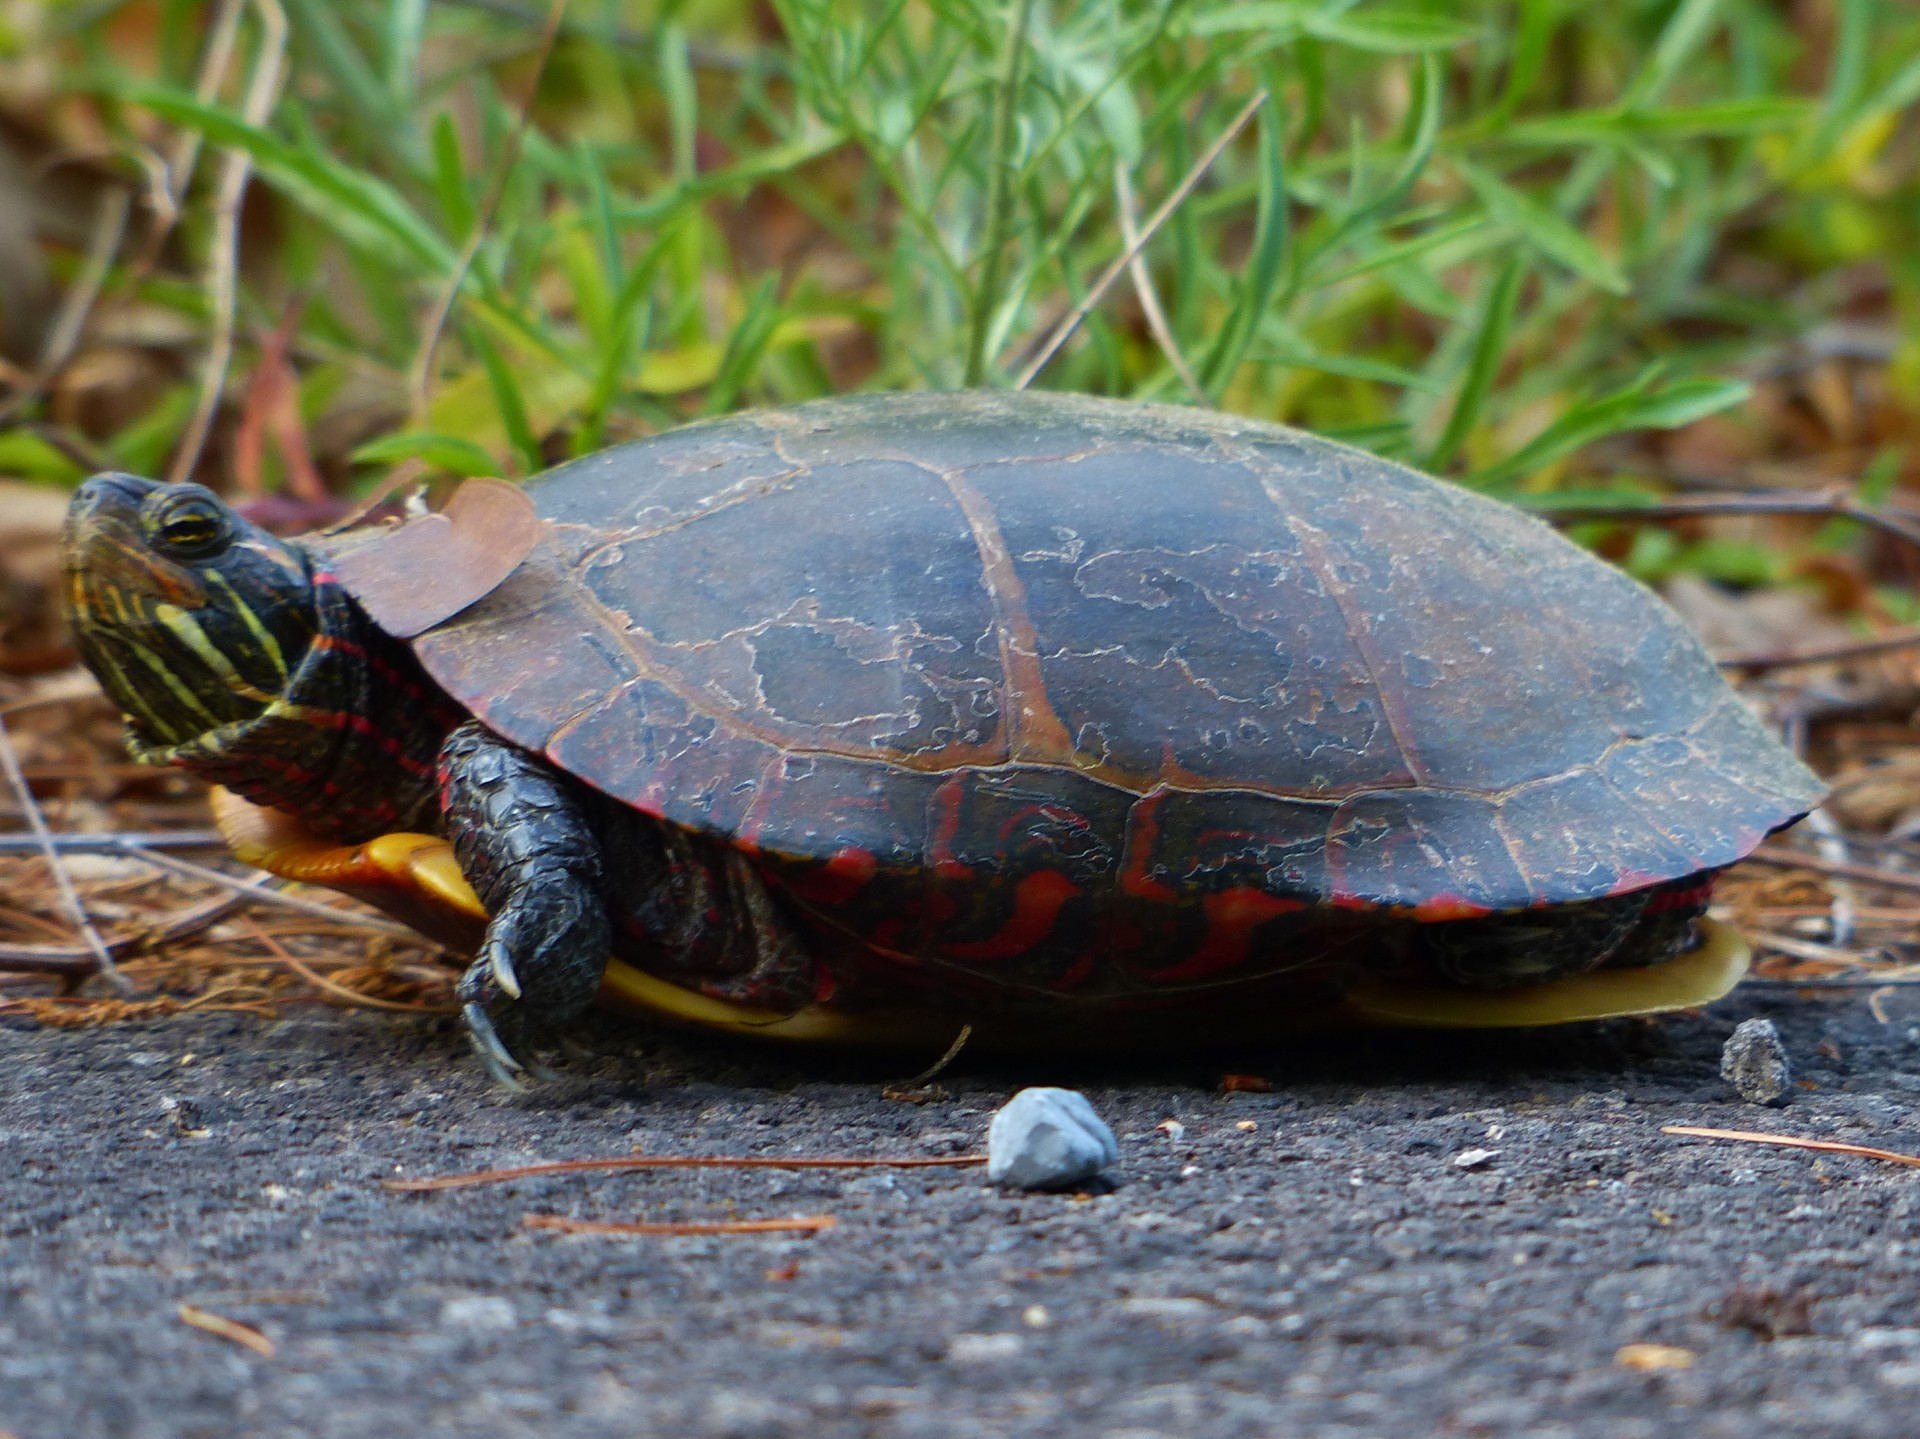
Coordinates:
<point>1323,1259</point>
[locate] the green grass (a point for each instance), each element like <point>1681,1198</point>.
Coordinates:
<point>1480,236</point>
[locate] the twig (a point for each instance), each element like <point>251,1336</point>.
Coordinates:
<point>1832,844</point>
<point>993,225</point>
<point>192,921</point>
<point>405,473</point>
<point>1824,654</point>
<point>805,1224</point>
<point>319,981</point>
<point>665,1161</point>
<point>1865,873</point>
<point>109,229</point>
<point>263,87</point>
<point>420,381</point>
<point>277,897</point>
<point>131,842</point>
<point>1838,500</point>
<point>69,896</point>
<point>934,1070</point>
<point>179,166</point>
<point>1807,949</point>
<point>74,959</point>
<point>245,1335</point>
<point>81,451</point>
<point>1064,330</point>
<point>1905,916</point>
<point>1143,287</point>
<point>630,40</point>
<point>1791,1141</point>
<point>1897,979</point>
<point>273,404</point>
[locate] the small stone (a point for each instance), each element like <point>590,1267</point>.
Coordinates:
<point>1648,1357</point>
<point>478,1311</point>
<point>1046,1139</point>
<point>1474,1158</point>
<point>1754,1062</point>
<point>983,1348</point>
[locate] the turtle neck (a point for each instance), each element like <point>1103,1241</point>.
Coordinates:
<point>348,748</point>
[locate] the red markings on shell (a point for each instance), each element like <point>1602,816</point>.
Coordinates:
<point>1233,916</point>
<point>1447,905</point>
<point>1037,902</point>
<point>838,880</point>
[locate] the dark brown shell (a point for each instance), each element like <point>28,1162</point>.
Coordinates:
<point>1049,640</point>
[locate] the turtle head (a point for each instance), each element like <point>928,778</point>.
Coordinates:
<point>193,619</point>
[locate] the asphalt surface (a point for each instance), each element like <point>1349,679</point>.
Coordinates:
<point>1305,1262</point>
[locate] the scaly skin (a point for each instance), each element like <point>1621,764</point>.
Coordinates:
<point>239,657</point>
<point>521,834</point>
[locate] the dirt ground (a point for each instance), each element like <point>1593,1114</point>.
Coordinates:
<point>1312,1261</point>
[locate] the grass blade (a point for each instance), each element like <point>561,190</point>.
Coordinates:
<point>1529,220</point>
<point>745,347</point>
<point>508,399</point>
<point>1266,262</point>
<point>985,296</point>
<point>359,207</point>
<point>450,179</point>
<point>1390,32</point>
<point>405,30</point>
<point>1637,407</point>
<point>1483,367</point>
<point>443,452</point>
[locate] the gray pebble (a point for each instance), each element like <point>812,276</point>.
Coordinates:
<point>1046,1138</point>
<point>1754,1062</point>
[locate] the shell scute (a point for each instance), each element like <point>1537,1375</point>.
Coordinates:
<point>1397,850</point>
<point>562,666</point>
<point>1187,636</point>
<point>692,471</point>
<point>812,642</point>
<point>1577,830</point>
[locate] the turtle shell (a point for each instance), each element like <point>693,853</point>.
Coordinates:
<point>962,667</point>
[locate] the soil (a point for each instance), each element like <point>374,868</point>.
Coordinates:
<point>1327,1258</point>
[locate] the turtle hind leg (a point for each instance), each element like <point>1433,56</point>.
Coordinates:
<point>1621,931</point>
<point>1532,946</point>
<point>1670,924</point>
<point>522,836</point>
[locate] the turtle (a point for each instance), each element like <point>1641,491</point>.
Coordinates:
<point>1062,717</point>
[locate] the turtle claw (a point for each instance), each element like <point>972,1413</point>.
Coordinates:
<point>500,1062</point>
<point>502,1032</point>
<point>503,972</point>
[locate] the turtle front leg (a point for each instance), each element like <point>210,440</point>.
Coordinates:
<point>521,834</point>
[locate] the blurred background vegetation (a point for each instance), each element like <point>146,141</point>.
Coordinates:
<point>299,248</point>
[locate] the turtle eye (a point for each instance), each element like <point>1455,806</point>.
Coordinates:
<point>191,526</point>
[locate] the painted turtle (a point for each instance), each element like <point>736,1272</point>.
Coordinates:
<point>1050,714</point>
